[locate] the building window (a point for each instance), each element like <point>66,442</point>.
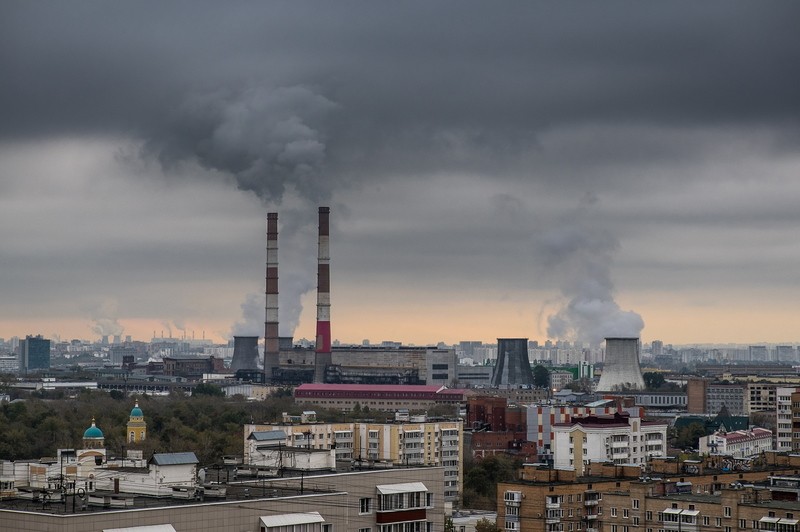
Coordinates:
<point>648,515</point>
<point>718,522</point>
<point>365,505</point>
<point>742,523</point>
<point>727,511</point>
<point>625,514</point>
<point>635,504</point>
<point>613,512</point>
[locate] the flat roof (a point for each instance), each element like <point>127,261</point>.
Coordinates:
<point>305,518</point>
<point>369,388</point>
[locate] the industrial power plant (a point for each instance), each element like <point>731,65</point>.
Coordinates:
<point>286,363</point>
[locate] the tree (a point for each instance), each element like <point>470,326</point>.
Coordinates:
<point>208,389</point>
<point>448,525</point>
<point>653,380</point>
<point>485,525</point>
<point>689,436</point>
<point>541,376</point>
<point>480,482</point>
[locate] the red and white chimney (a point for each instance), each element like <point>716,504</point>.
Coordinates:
<point>271,342</point>
<point>323,347</point>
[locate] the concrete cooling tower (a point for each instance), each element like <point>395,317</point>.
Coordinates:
<point>513,365</point>
<point>621,368</point>
<point>245,353</point>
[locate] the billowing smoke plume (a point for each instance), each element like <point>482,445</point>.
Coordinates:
<point>104,315</point>
<point>269,140</point>
<point>252,320</point>
<point>583,252</point>
<point>273,143</point>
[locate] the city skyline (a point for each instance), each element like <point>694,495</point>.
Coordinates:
<point>537,171</point>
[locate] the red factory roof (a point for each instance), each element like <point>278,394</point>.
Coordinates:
<point>745,435</point>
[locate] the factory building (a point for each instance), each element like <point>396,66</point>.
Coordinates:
<point>384,397</point>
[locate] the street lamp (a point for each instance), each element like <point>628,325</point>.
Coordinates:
<point>62,454</point>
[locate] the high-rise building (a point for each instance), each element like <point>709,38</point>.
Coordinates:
<point>34,353</point>
<point>657,348</point>
<point>758,353</point>
<point>785,353</point>
<point>783,418</point>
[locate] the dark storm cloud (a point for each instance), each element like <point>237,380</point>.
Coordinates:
<point>439,80</point>
<point>454,134</point>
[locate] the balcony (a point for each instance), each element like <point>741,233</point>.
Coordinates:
<point>591,502</point>
<point>552,505</point>
<point>553,516</point>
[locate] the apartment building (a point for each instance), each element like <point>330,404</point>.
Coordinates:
<point>783,418</point>
<point>619,438</point>
<point>668,495</point>
<point>688,507</point>
<point>761,397</point>
<point>424,443</point>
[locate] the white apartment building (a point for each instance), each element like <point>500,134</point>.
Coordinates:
<point>620,438</point>
<point>783,407</point>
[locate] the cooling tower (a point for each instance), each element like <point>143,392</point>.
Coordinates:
<point>271,342</point>
<point>513,365</point>
<point>621,368</point>
<point>245,353</point>
<point>323,347</point>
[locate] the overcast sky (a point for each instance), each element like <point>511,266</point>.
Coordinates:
<point>567,169</point>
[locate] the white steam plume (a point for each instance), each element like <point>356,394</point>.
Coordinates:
<point>582,252</point>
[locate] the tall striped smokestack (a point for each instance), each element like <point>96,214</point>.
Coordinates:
<point>323,349</point>
<point>271,346</point>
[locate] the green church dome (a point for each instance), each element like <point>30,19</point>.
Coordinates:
<point>136,411</point>
<point>92,433</point>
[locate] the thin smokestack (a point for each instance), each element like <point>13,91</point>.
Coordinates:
<point>271,345</point>
<point>323,348</point>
